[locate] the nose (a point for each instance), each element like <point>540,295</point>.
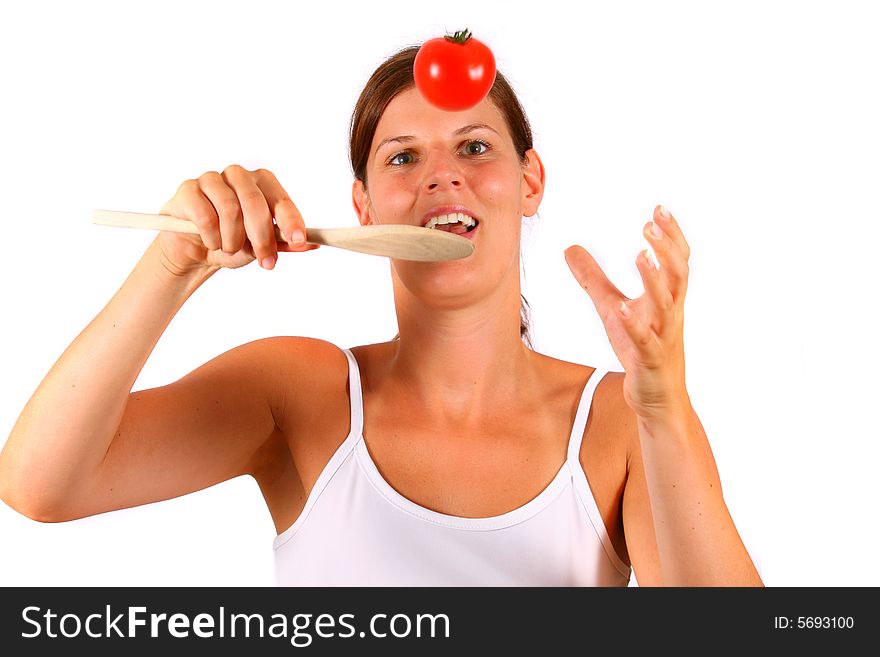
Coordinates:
<point>442,173</point>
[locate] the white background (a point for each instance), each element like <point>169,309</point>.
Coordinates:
<point>755,123</point>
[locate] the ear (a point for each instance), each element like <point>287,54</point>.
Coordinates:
<point>361,201</point>
<point>533,183</point>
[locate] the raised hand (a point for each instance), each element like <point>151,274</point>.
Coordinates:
<point>646,333</point>
<point>233,212</point>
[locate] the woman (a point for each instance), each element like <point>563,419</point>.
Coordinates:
<point>452,455</point>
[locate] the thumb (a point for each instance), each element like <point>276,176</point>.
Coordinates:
<point>591,278</point>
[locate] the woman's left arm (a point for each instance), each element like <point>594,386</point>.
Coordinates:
<point>696,541</point>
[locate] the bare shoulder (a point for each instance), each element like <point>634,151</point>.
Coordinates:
<point>615,424</point>
<point>618,419</point>
<point>310,383</point>
<point>311,360</point>
<point>301,353</point>
<point>610,422</point>
<point>302,376</point>
<point>306,380</point>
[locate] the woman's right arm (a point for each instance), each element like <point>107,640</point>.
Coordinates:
<point>85,444</point>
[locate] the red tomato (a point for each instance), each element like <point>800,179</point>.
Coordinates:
<point>454,72</point>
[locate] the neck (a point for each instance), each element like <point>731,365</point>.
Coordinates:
<point>461,365</point>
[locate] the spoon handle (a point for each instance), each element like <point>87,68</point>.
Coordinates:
<point>394,241</point>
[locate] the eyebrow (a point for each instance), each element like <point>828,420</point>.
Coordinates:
<point>408,138</point>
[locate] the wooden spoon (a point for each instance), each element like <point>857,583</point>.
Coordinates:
<point>391,240</point>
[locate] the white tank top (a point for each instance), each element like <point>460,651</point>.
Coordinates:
<point>356,530</point>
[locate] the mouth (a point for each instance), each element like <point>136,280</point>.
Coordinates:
<point>457,223</point>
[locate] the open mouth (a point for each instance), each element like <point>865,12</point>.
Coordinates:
<point>456,223</point>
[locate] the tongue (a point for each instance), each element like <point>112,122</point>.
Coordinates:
<point>456,228</point>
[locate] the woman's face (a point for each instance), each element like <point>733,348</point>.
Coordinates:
<point>423,158</point>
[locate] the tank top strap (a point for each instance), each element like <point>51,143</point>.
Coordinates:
<point>355,394</point>
<point>580,418</point>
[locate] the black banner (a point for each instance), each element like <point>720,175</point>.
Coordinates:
<point>276,621</point>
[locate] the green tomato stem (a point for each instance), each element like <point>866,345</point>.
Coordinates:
<point>461,37</point>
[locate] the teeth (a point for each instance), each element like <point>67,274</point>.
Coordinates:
<point>456,217</point>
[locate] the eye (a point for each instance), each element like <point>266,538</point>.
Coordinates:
<point>478,143</point>
<point>393,159</point>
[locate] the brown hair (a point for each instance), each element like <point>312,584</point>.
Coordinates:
<point>394,76</point>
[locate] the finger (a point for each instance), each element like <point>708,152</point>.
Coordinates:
<point>646,343</point>
<point>194,206</point>
<point>284,247</point>
<point>257,219</point>
<point>229,231</point>
<point>671,228</point>
<point>287,215</point>
<point>589,275</point>
<point>660,303</point>
<point>673,265</point>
